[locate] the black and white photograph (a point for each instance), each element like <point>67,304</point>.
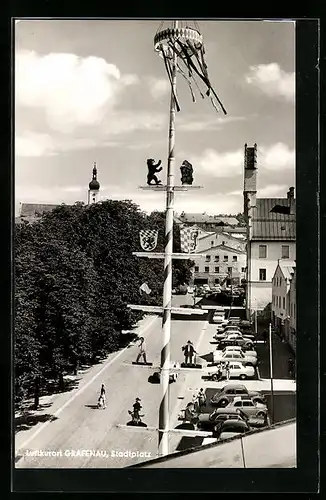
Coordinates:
<point>154,244</point>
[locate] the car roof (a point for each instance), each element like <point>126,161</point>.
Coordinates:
<point>231,423</point>
<point>226,411</point>
<point>234,386</point>
<point>242,398</point>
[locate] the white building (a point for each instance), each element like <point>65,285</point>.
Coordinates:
<point>284,300</point>
<point>270,233</point>
<point>281,282</point>
<point>292,313</point>
<point>210,240</point>
<point>221,264</point>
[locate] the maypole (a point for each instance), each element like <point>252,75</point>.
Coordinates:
<point>167,289</point>
<point>183,51</point>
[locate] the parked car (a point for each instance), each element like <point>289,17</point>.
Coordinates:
<point>207,421</point>
<point>248,352</point>
<point>234,336</point>
<point>230,391</point>
<point>235,356</point>
<point>218,317</point>
<point>245,344</point>
<point>231,428</point>
<point>226,331</point>
<point>232,331</point>
<point>237,370</point>
<point>251,408</point>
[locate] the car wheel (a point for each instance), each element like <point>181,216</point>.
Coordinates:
<point>214,377</point>
<point>261,414</point>
<point>242,376</point>
<point>223,402</point>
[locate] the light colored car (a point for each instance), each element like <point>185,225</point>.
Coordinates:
<point>227,394</point>
<point>218,318</point>
<point>225,333</point>
<point>239,348</point>
<point>251,408</point>
<point>234,356</point>
<point>237,370</point>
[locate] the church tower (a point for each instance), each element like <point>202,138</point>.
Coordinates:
<point>250,179</point>
<point>94,187</point>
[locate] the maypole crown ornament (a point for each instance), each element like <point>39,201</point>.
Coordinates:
<point>187,44</point>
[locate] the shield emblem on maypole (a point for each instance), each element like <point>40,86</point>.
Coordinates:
<point>148,239</point>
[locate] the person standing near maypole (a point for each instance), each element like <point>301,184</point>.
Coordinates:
<point>142,350</point>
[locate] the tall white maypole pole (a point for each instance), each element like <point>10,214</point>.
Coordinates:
<point>163,435</point>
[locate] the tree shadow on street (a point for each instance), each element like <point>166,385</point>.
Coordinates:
<point>94,407</point>
<point>28,420</point>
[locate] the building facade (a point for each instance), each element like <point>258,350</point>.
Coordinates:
<point>284,301</point>
<point>292,312</point>
<point>270,235</point>
<point>222,264</point>
<point>212,239</point>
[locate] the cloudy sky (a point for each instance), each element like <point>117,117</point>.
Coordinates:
<point>94,90</point>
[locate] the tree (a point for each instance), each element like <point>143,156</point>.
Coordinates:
<point>75,276</point>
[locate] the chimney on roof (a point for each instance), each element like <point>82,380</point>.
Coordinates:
<point>290,196</point>
<point>250,178</point>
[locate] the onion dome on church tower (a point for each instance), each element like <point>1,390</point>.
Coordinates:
<point>94,185</point>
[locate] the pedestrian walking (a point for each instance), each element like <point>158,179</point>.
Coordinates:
<point>201,398</point>
<point>142,350</point>
<point>189,351</point>
<point>227,370</point>
<point>102,398</point>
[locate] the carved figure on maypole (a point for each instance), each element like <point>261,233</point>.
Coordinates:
<point>153,168</point>
<point>186,173</point>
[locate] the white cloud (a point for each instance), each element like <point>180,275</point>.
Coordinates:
<point>230,163</point>
<point>33,145</point>
<point>72,90</point>
<point>272,80</point>
<point>192,124</point>
<point>276,157</point>
<point>158,87</point>
<point>217,164</point>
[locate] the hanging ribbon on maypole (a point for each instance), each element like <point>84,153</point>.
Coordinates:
<point>187,44</point>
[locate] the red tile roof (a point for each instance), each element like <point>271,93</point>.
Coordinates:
<point>267,225</point>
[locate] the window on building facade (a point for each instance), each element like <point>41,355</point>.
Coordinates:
<point>280,281</point>
<point>207,269</point>
<point>285,252</point>
<point>216,280</point>
<point>226,258</point>
<point>262,274</point>
<point>217,269</point>
<point>208,258</point>
<point>234,258</point>
<point>217,258</point>
<point>229,270</point>
<point>262,251</point>
<point>196,269</point>
<point>243,269</point>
